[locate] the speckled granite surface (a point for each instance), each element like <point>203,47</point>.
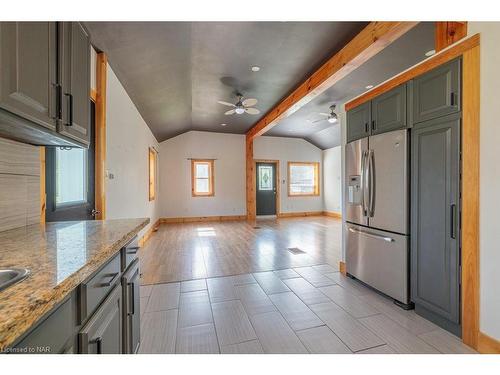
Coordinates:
<point>60,256</point>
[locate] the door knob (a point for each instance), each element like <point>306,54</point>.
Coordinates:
<point>95,212</point>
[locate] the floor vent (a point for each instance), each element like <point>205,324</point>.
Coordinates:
<point>256,227</point>
<point>296,250</point>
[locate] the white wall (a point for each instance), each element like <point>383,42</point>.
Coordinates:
<point>489,176</point>
<point>332,179</point>
<point>229,176</point>
<point>285,150</point>
<point>128,139</point>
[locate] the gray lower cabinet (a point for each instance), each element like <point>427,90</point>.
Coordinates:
<point>389,111</point>
<point>102,334</point>
<point>437,93</point>
<point>28,63</point>
<point>131,309</point>
<point>358,122</point>
<point>435,229</point>
<point>74,60</point>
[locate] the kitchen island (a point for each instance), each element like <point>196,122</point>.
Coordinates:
<point>63,259</point>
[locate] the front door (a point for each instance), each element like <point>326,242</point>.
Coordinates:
<point>266,188</point>
<point>70,180</point>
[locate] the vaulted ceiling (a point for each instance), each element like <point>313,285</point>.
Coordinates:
<point>175,72</point>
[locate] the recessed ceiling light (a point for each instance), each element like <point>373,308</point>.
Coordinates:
<point>369,87</point>
<point>430,53</point>
<point>255,68</point>
<point>223,124</point>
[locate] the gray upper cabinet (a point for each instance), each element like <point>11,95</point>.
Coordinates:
<point>435,251</point>
<point>437,93</point>
<point>389,111</point>
<point>75,81</point>
<point>358,122</point>
<point>102,334</point>
<point>28,62</point>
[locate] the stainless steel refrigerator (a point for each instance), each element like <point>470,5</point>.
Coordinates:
<point>377,215</point>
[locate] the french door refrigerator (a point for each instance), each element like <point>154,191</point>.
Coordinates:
<point>377,215</point>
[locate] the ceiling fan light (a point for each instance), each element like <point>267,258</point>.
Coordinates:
<point>240,110</point>
<point>332,120</point>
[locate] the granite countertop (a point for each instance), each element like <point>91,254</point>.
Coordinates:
<point>60,256</point>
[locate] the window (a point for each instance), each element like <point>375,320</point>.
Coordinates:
<point>303,179</point>
<point>152,173</point>
<point>71,176</point>
<point>202,178</point>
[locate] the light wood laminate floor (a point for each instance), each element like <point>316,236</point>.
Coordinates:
<point>283,312</point>
<point>201,250</point>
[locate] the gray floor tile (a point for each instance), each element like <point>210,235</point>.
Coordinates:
<point>221,289</point>
<point>383,349</point>
<point>305,291</point>
<point>352,333</point>
<point>199,339</point>
<point>164,297</point>
<point>275,335</point>
<point>286,274</point>
<point>144,304</point>
<point>254,300</point>
<point>398,338</point>
<point>270,283</point>
<point>349,302</point>
<point>145,290</point>
<point>243,279</point>
<point>231,323</point>
<point>325,268</point>
<point>314,277</point>
<point>295,312</point>
<point>193,285</point>
<point>445,342</point>
<point>248,347</point>
<point>348,284</point>
<point>158,332</point>
<point>194,309</point>
<point>321,340</point>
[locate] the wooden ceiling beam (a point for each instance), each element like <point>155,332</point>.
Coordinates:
<point>370,41</point>
<point>447,33</point>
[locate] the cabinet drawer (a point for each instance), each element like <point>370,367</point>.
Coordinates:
<point>129,253</point>
<point>51,335</point>
<point>93,291</point>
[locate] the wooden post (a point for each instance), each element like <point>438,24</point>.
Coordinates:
<point>447,33</point>
<point>100,136</point>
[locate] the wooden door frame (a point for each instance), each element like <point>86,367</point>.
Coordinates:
<point>100,135</point>
<point>278,183</point>
<point>469,50</point>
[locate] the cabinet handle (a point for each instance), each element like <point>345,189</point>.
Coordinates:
<point>98,342</point>
<point>132,250</point>
<point>453,215</point>
<point>69,109</point>
<point>55,101</point>
<point>373,124</point>
<point>366,127</point>
<point>452,99</point>
<point>111,281</point>
<point>132,298</point>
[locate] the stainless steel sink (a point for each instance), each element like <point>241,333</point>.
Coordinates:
<point>11,276</point>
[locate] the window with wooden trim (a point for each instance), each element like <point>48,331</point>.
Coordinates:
<point>202,178</point>
<point>153,157</point>
<point>303,179</point>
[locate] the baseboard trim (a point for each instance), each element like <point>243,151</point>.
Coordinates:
<point>149,233</point>
<point>198,219</point>
<point>338,215</point>
<point>487,344</point>
<point>342,268</point>
<point>299,214</point>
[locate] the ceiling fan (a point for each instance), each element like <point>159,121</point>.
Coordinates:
<point>331,117</point>
<point>241,106</point>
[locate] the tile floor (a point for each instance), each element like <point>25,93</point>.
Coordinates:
<point>302,310</point>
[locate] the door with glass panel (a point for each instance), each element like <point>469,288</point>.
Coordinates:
<point>70,181</point>
<point>266,188</point>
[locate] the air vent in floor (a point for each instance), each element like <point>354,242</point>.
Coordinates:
<point>256,227</point>
<point>295,250</point>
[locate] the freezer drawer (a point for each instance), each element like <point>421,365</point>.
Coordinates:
<point>379,259</point>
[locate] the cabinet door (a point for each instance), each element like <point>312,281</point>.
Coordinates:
<point>389,111</point>
<point>74,63</point>
<point>131,308</point>
<point>103,332</point>
<point>435,231</point>
<point>28,63</point>
<point>358,122</point>
<point>437,93</point>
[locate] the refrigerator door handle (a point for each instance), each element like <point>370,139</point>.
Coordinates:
<point>371,183</point>
<point>371,235</point>
<point>363,182</point>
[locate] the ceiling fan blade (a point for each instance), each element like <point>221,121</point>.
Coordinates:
<point>324,114</point>
<point>252,111</point>
<point>315,121</point>
<point>249,102</point>
<point>226,103</point>
<point>230,112</point>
